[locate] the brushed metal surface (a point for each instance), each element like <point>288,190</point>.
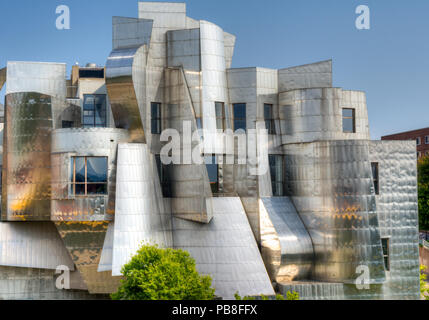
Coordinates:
<point>225,249</point>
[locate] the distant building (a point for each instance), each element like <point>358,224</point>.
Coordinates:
<point>421,136</point>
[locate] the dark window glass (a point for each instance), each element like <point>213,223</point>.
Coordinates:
<point>213,171</point>
<point>349,121</point>
<point>386,252</point>
<point>220,115</point>
<point>88,176</point>
<point>240,116</point>
<point>91,73</point>
<point>199,123</point>
<point>277,175</point>
<point>67,124</point>
<point>269,119</point>
<point>94,111</point>
<point>375,174</point>
<point>163,177</point>
<point>156,118</point>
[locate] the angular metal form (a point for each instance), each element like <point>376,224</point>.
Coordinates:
<point>2,77</point>
<point>141,215</point>
<point>226,250</point>
<point>84,241</point>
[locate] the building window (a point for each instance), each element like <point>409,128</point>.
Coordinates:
<point>385,242</point>
<point>375,177</point>
<point>419,141</point>
<point>88,176</point>
<point>349,121</point>
<point>277,175</point>
<point>67,124</point>
<point>163,177</point>
<point>269,119</point>
<point>94,111</point>
<point>91,73</point>
<point>213,171</point>
<point>220,115</point>
<point>156,118</point>
<point>240,116</point>
<point>199,123</point>
<point>427,140</point>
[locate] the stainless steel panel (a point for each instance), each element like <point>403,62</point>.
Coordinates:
<point>225,249</point>
<point>26,175</point>
<point>2,77</point>
<point>286,243</point>
<point>106,259</point>
<point>397,212</point>
<point>331,186</point>
<point>32,245</point>
<point>141,213</point>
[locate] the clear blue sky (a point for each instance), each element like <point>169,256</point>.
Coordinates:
<point>389,62</point>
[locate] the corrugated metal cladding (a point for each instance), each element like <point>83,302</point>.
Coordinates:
<point>332,217</point>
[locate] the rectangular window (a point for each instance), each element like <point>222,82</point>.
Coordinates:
<point>156,118</point>
<point>220,116</point>
<point>163,177</point>
<point>385,242</point>
<point>88,176</point>
<point>213,171</point>
<point>240,116</point>
<point>349,121</point>
<point>91,73</point>
<point>94,111</point>
<point>269,119</point>
<point>419,141</point>
<point>199,123</point>
<point>375,177</point>
<point>427,140</point>
<point>277,175</point>
<point>67,124</point>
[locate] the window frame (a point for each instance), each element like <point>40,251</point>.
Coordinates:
<point>157,118</point>
<point>419,141</point>
<point>234,105</point>
<point>353,118</point>
<point>426,139</point>
<point>221,118</point>
<point>387,254</point>
<point>275,183</point>
<point>94,124</point>
<point>72,184</point>
<point>270,123</point>
<point>376,180</point>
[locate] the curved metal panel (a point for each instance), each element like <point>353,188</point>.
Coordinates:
<point>331,186</point>
<point>27,174</point>
<point>107,252</point>
<point>141,212</point>
<point>226,250</point>
<point>32,245</point>
<point>292,255</point>
<point>97,142</point>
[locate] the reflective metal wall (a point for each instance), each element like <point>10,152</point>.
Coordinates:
<point>26,174</point>
<point>397,212</point>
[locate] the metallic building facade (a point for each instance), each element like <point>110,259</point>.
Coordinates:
<point>313,206</point>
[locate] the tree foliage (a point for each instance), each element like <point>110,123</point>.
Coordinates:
<point>163,274</point>
<point>423,184</point>
<point>289,296</point>
<point>424,287</point>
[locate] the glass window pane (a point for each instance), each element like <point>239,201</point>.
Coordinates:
<point>268,111</point>
<point>94,189</point>
<point>71,169</point>
<point>240,110</point>
<point>80,189</point>
<point>348,125</point>
<point>80,169</point>
<point>199,123</point>
<point>155,110</point>
<point>347,112</point>
<point>212,168</point>
<point>219,109</point>
<point>97,169</point>
<point>240,124</point>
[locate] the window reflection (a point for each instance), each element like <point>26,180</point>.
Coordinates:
<point>240,116</point>
<point>88,176</point>
<point>94,111</point>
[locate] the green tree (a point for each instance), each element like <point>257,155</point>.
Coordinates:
<point>423,184</point>
<point>163,274</point>
<point>424,287</point>
<point>289,296</point>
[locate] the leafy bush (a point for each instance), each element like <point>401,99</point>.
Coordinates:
<point>289,296</point>
<point>423,184</point>
<point>163,274</point>
<point>424,287</point>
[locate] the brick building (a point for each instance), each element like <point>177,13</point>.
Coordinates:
<point>421,136</point>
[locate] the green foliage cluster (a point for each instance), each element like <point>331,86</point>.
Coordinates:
<point>423,184</point>
<point>424,287</point>
<point>163,274</point>
<point>289,296</point>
